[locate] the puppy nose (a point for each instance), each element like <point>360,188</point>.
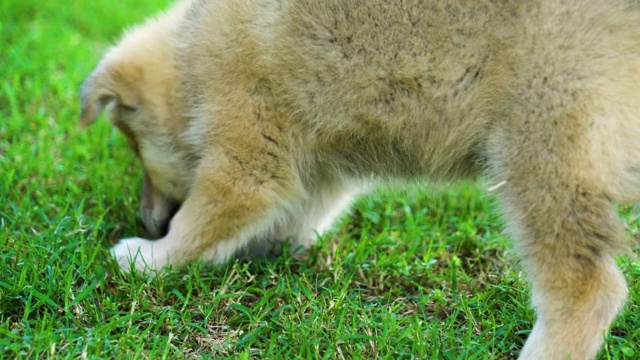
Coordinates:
<point>157,221</point>
<point>154,228</point>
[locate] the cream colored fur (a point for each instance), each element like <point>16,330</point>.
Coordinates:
<point>263,118</point>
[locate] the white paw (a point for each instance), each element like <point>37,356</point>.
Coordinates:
<point>140,253</point>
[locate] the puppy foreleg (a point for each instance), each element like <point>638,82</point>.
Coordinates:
<point>140,253</point>
<point>225,210</point>
<point>315,215</point>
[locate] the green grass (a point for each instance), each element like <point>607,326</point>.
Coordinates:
<point>413,274</point>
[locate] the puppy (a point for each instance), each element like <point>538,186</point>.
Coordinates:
<point>262,119</point>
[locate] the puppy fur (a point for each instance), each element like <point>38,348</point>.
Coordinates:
<point>262,119</point>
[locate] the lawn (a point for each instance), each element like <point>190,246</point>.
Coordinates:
<point>419,272</point>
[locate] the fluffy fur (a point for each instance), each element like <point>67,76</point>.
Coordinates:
<point>261,119</point>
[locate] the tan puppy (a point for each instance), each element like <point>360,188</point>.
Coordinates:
<point>263,118</point>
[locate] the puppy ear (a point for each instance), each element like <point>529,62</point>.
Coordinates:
<point>108,83</point>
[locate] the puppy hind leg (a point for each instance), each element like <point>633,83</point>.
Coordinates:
<point>566,233</point>
<point>560,214</point>
<point>576,301</point>
<point>577,288</point>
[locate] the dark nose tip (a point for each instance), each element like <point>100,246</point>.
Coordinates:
<point>159,227</point>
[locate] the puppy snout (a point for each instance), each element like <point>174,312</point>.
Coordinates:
<point>156,209</point>
<point>157,219</point>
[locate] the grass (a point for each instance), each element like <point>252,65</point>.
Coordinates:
<point>407,274</point>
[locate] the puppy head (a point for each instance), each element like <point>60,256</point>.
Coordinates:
<point>137,78</point>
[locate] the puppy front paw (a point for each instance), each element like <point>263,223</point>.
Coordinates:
<point>143,254</point>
